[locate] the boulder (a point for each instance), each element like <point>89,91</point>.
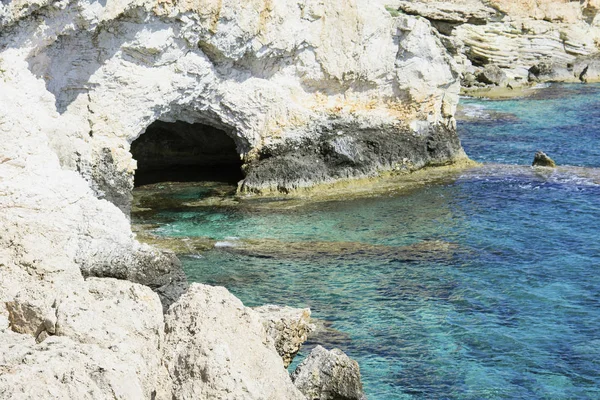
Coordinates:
<point>100,340</point>
<point>329,375</point>
<point>492,75</point>
<point>215,348</point>
<point>550,71</point>
<point>540,70</point>
<point>468,80</point>
<point>288,327</point>
<point>542,160</point>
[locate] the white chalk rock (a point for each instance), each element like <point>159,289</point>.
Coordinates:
<point>215,348</point>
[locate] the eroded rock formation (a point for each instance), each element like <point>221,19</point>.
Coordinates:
<point>344,85</point>
<point>301,92</point>
<point>531,41</point>
<point>329,375</point>
<point>272,75</point>
<point>288,327</point>
<point>215,348</point>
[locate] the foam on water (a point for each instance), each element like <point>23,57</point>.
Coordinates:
<point>509,306</point>
<point>225,244</point>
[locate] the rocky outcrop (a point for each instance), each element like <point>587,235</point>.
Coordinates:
<point>99,340</point>
<point>348,150</point>
<point>492,75</point>
<point>447,15</point>
<point>288,327</point>
<point>308,91</point>
<point>67,336</point>
<point>272,76</point>
<point>329,375</point>
<point>215,348</point>
<point>516,36</point>
<point>63,369</point>
<point>541,159</point>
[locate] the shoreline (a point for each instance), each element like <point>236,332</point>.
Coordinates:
<point>381,182</point>
<point>384,182</point>
<point>93,306</point>
<point>523,91</point>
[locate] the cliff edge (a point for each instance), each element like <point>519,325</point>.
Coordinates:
<point>308,91</point>
<point>507,44</point>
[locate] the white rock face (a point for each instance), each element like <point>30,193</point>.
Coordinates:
<point>288,327</point>
<point>60,335</point>
<point>516,35</point>
<point>215,348</point>
<point>80,80</point>
<point>60,368</point>
<point>518,45</point>
<point>265,72</point>
<point>329,375</point>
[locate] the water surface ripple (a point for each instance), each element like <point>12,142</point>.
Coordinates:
<point>484,287</point>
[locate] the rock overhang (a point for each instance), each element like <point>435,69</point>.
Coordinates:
<point>268,72</point>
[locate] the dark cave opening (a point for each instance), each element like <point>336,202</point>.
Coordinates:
<point>183,152</point>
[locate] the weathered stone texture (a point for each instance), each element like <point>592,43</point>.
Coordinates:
<point>215,348</point>
<point>329,375</point>
<point>288,327</point>
<point>80,81</point>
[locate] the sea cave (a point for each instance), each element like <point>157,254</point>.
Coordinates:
<point>185,152</point>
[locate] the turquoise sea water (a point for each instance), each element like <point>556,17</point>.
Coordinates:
<point>497,295</point>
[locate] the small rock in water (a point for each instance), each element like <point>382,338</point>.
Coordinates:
<point>542,160</point>
<point>329,375</point>
<point>583,74</point>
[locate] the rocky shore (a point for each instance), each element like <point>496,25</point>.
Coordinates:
<point>502,45</point>
<point>86,310</point>
<point>308,92</point>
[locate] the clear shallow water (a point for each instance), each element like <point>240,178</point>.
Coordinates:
<point>506,301</point>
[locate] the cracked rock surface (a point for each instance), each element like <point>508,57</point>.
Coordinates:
<point>329,375</point>
<point>81,300</point>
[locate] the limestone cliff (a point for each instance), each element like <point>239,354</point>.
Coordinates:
<point>530,41</point>
<point>344,85</point>
<point>272,74</point>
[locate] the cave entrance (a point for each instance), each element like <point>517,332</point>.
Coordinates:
<point>183,152</point>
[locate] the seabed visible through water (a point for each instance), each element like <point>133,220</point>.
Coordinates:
<point>483,283</point>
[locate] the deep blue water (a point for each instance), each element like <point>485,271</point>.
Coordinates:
<point>561,120</point>
<point>502,299</point>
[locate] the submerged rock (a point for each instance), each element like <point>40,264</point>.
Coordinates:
<point>329,375</point>
<point>326,335</point>
<point>288,327</point>
<point>306,250</point>
<point>542,160</point>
